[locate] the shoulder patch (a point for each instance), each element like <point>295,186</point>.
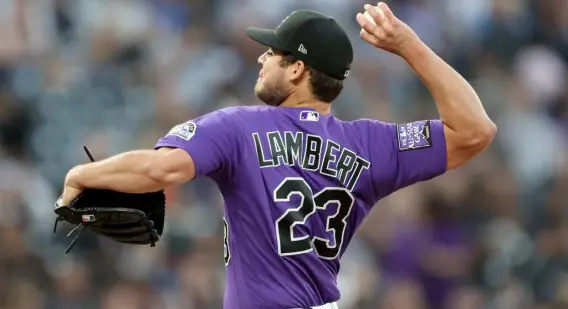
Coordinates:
<point>184,130</point>
<point>413,135</point>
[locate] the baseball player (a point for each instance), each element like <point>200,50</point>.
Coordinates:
<point>296,181</point>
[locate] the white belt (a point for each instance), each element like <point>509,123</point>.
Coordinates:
<point>327,306</point>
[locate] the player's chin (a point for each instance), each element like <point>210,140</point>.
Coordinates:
<point>258,87</point>
<point>266,95</point>
<point>261,92</point>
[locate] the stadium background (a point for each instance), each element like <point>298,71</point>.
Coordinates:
<point>117,74</point>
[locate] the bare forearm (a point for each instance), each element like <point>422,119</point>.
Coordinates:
<point>458,104</point>
<point>127,172</point>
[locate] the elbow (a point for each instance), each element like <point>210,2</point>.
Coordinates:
<point>464,147</point>
<point>485,134</point>
<point>480,137</point>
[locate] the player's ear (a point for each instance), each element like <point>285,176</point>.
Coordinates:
<point>296,71</point>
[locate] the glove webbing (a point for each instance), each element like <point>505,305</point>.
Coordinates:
<point>82,227</point>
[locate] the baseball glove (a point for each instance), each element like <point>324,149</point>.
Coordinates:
<point>123,217</point>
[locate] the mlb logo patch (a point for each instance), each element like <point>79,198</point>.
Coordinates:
<point>309,116</point>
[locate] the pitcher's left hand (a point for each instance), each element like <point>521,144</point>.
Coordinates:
<point>70,190</point>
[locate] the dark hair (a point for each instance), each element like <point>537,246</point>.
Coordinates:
<point>324,87</point>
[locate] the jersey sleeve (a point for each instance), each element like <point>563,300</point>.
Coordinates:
<point>404,154</point>
<point>211,140</point>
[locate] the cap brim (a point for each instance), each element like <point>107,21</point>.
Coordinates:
<point>265,37</point>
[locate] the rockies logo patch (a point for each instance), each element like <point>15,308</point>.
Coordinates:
<point>185,130</point>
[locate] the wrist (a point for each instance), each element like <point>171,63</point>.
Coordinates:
<point>413,50</point>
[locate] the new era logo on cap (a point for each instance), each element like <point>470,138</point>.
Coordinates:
<point>302,49</point>
<point>309,116</point>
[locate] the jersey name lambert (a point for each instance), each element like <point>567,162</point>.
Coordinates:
<point>309,152</point>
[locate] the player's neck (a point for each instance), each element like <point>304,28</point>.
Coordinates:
<point>296,101</point>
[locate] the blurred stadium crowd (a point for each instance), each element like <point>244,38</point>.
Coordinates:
<point>118,74</point>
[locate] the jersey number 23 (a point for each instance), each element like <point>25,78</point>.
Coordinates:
<point>288,244</point>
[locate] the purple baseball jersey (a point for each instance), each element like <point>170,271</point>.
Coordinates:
<point>296,186</point>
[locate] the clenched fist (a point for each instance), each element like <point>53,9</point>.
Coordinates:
<point>387,32</point>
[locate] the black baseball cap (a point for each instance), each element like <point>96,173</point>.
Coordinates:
<point>312,37</point>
